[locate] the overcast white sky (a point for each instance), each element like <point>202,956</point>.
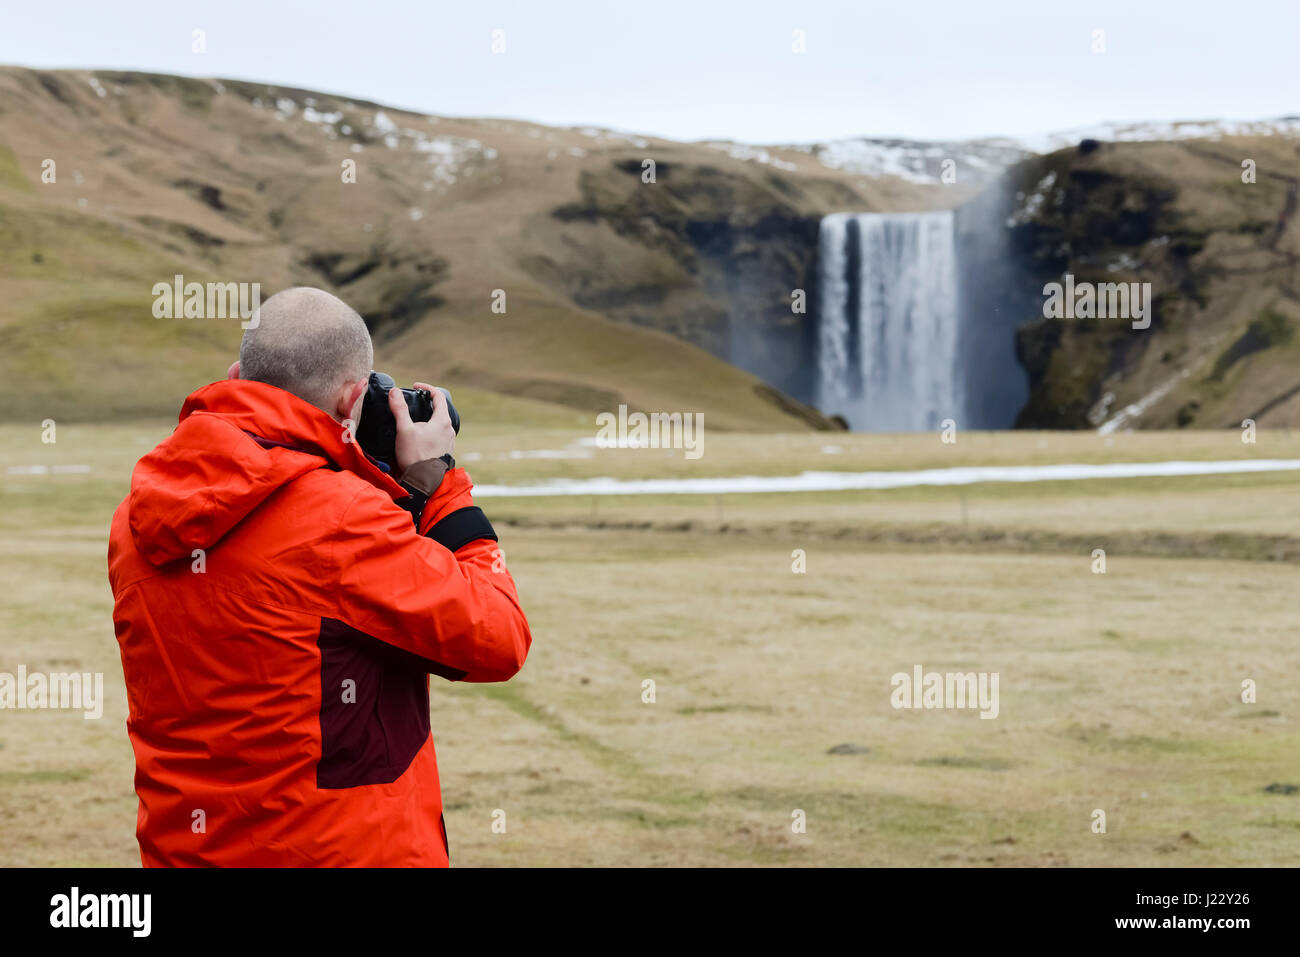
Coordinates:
<point>929,69</point>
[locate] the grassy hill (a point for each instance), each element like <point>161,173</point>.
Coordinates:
<point>237,182</point>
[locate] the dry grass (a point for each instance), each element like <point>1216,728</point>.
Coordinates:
<point>1118,691</point>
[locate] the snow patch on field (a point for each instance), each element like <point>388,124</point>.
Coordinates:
<point>854,481</point>
<point>48,469</point>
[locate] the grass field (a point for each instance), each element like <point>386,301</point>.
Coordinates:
<point>1119,691</point>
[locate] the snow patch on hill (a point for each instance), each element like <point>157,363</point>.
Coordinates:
<point>918,161</point>
<point>978,161</point>
<point>754,154</point>
<point>1161,131</point>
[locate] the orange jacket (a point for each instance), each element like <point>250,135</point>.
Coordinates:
<point>279,615</point>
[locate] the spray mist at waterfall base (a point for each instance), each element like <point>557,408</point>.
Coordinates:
<point>916,317</point>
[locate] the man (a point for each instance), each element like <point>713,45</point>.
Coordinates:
<point>279,613</point>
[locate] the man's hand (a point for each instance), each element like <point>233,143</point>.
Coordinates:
<point>421,441</point>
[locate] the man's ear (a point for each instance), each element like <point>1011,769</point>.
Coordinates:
<point>349,400</point>
<point>233,371</point>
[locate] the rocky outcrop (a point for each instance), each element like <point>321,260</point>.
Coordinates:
<point>1219,253</point>
<point>723,261</point>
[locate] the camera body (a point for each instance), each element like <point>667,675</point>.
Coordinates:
<point>376,432</point>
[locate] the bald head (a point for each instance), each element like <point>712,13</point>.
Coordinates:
<point>307,342</point>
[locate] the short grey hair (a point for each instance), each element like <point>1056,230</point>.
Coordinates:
<point>307,342</point>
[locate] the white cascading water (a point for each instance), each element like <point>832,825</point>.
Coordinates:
<point>891,365</point>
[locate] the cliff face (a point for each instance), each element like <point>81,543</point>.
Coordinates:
<point>724,257</point>
<point>1220,255</point>
<point>724,261</point>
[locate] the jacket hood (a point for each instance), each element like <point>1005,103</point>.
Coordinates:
<point>212,471</point>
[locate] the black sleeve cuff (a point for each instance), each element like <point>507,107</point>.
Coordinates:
<point>461,527</point>
<point>414,503</point>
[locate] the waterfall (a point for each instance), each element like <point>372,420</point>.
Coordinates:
<point>887,329</point>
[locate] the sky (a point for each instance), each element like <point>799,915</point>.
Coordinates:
<point>715,69</point>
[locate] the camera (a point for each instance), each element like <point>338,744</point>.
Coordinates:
<point>376,433</point>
